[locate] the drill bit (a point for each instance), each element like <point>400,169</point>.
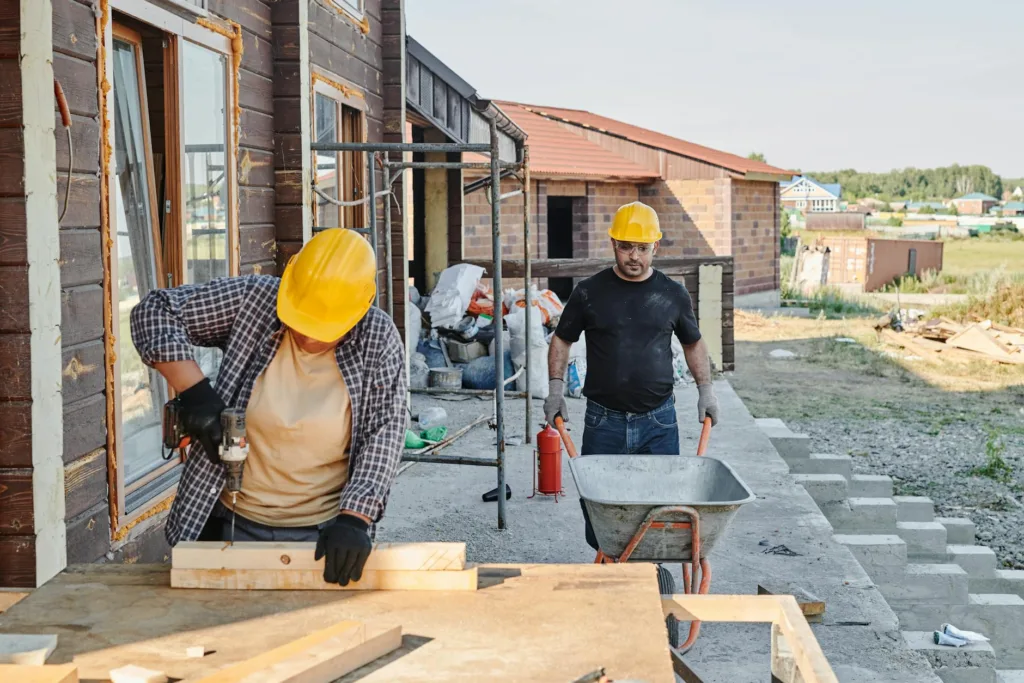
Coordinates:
<point>234,495</point>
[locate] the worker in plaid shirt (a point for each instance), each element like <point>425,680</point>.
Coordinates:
<point>320,374</point>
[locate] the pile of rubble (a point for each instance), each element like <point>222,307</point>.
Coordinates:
<point>981,339</point>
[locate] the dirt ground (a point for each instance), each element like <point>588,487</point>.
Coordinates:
<point>953,431</point>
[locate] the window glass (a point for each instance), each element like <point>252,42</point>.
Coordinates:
<point>354,5</point>
<point>204,132</point>
<point>327,177</point>
<point>143,391</point>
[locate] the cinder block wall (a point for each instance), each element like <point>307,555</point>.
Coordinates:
<point>755,235</point>
<point>689,214</point>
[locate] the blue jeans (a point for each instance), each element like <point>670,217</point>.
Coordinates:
<point>611,432</point>
<point>218,528</point>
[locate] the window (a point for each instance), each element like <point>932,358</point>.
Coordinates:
<point>356,7</point>
<point>912,262</point>
<point>172,189</point>
<point>338,117</point>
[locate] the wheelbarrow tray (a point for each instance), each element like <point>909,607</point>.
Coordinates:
<point>620,491</point>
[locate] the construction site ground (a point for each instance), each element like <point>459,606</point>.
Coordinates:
<point>443,502</point>
<point>952,431</point>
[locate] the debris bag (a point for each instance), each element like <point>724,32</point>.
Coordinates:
<point>432,353</point>
<point>576,372</point>
<point>419,372</point>
<point>432,417</point>
<point>453,294</point>
<point>479,372</point>
<point>414,322</point>
<point>482,301</point>
<point>538,351</point>
<point>546,302</point>
<point>967,636</point>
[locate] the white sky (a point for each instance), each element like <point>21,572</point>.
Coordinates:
<point>816,85</point>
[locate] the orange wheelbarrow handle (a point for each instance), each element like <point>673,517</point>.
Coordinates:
<point>705,434</point>
<point>570,448</point>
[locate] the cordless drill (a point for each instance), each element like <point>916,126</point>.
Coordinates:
<point>233,449</point>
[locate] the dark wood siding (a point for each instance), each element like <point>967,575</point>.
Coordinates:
<point>17,533</point>
<point>393,130</point>
<point>286,133</point>
<point>81,265</point>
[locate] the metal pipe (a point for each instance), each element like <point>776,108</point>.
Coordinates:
<point>466,392</point>
<point>455,165</point>
<point>499,341</point>
<point>481,148</point>
<point>528,432</point>
<point>453,460</point>
<point>509,195</point>
<point>390,286</point>
<point>371,184</point>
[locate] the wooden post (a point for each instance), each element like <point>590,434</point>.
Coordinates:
<point>710,310</point>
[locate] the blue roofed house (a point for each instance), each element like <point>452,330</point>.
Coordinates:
<point>809,196</point>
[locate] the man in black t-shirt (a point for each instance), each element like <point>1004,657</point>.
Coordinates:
<point>629,313</point>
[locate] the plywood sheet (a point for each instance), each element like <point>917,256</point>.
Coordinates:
<point>313,579</point>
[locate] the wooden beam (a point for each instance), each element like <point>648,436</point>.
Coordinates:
<point>299,556</point>
<point>320,657</point>
<point>311,579</point>
<point>812,607</point>
<point>58,673</point>
<point>516,268</point>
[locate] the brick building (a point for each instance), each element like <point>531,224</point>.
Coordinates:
<point>975,204</point>
<point>584,166</point>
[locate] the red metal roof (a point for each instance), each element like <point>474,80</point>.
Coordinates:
<point>644,136</point>
<point>556,151</point>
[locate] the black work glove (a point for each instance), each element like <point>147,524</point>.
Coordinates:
<point>200,416</point>
<point>346,544</point>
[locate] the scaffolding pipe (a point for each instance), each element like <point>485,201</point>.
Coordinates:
<point>480,148</point>
<point>390,286</point>
<point>454,460</point>
<point>371,183</point>
<point>464,165</point>
<point>528,431</point>
<point>499,340</point>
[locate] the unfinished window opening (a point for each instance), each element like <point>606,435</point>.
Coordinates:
<point>338,117</point>
<point>912,262</point>
<point>560,241</point>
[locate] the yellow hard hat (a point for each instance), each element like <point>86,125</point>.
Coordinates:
<point>328,286</point>
<point>635,222</point>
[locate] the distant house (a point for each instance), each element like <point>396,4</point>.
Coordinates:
<point>1012,209</point>
<point>1018,192</point>
<point>915,207</point>
<point>810,196</point>
<point>975,203</point>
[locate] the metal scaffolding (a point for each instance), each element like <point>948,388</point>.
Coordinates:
<point>498,169</point>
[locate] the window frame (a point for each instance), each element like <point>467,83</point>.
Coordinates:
<point>170,267</point>
<point>343,96</point>
<point>346,7</point>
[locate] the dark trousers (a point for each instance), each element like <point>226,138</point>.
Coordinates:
<point>218,528</point>
<point>611,432</point>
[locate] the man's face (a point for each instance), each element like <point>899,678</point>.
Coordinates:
<point>634,258</point>
<point>310,345</point>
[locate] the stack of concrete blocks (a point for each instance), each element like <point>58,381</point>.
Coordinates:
<point>928,569</point>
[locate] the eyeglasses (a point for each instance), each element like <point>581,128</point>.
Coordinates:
<point>628,247</point>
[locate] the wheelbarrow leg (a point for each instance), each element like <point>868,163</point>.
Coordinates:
<point>705,584</point>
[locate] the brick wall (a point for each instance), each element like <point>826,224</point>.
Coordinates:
<point>688,211</point>
<point>755,236</point>
<point>603,200</point>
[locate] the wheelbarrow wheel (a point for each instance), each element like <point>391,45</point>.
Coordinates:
<point>667,586</point>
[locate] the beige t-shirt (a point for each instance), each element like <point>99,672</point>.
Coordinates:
<point>299,427</point>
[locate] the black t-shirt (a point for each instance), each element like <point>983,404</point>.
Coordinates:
<point>629,343</point>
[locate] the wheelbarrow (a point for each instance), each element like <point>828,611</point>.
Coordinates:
<point>659,508</point>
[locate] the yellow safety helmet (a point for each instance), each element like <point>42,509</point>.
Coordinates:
<point>328,286</point>
<point>635,222</point>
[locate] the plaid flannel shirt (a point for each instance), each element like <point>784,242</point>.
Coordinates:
<point>239,316</point>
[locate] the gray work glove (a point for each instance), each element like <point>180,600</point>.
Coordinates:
<point>554,404</point>
<point>707,404</point>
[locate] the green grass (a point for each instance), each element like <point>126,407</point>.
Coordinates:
<point>995,466</point>
<point>1004,306</point>
<point>971,256</point>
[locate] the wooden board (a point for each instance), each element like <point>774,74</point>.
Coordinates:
<point>811,606</point>
<point>587,267</point>
<point>514,628</point>
<point>63,673</point>
<point>320,657</point>
<point>296,556</point>
<point>313,579</point>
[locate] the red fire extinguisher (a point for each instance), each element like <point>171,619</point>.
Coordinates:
<point>547,476</point>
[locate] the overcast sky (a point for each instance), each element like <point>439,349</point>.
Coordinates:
<point>817,85</point>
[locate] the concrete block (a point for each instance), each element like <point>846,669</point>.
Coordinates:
<point>1010,676</point>
<point>977,560</point>
<point>926,584</point>
<point>959,530</point>
<point>871,486</point>
<point>973,663</point>
<point>824,489</point>
<point>915,509</point>
<point>863,516</point>
<point>824,463</point>
<point>1005,581</point>
<point>925,540</point>
<point>1001,619</point>
<point>880,555</point>
<point>771,423</point>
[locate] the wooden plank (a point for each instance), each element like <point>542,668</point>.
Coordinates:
<point>85,137</point>
<point>256,205</point>
<point>12,231</point>
<point>84,202</point>
<point>252,15</point>
<point>284,12</point>
<point>14,299</point>
<point>286,43</point>
<point>74,29</point>
<point>285,250</point>
<point>810,660</point>
<point>309,579</point>
<point>974,338</point>
<point>258,54</point>
<point>287,115</point>
<point>85,427</point>
<point>18,569</point>
<point>9,598</point>
<point>288,187</point>
<point>51,673</point>
<point>79,82</point>
<point>10,88</point>
<point>16,434</point>
<point>286,80</point>
<point>288,152</point>
<point>16,513</point>
<point>288,220</point>
<point>10,30</point>
<point>26,649</point>
<point>12,160</point>
<point>810,605</point>
<point>256,130</point>
<point>255,92</point>
<point>321,656</point>
<point>257,243</point>
<point>81,314</point>
<point>88,535</point>
<point>686,267</point>
<point>256,168</point>
<point>15,368</point>
<point>85,482</point>
<point>81,257</point>
<point>297,556</point>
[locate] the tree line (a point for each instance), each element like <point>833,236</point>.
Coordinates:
<point>915,184</point>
